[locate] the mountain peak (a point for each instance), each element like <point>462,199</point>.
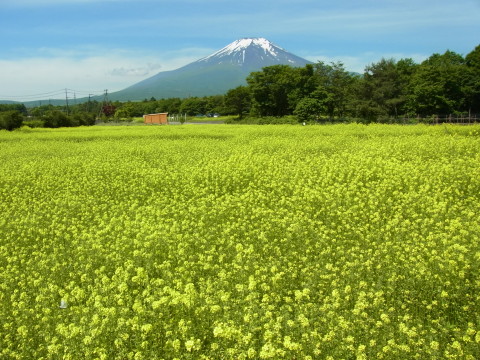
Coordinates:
<point>249,52</point>
<point>245,43</point>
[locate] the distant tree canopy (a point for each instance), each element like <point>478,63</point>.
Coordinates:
<point>12,116</point>
<point>471,86</point>
<point>13,107</point>
<point>237,101</point>
<point>10,120</point>
<point>438,84</point>
<point>443,84</point>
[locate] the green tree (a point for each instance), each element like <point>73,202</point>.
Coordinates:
<point>10,120</point>
<point>309,109</point>
<point>170,105</point>
<point>82,119</point>
<point>471,87</point>
<point>147,107</point>
<point>438,85</point>
<point>334,87</point>
<point>14,107</point>
<point>384,88</point>
<point>130,109</point>
<point>55,119</point>
<point>214,104</point>
<point>90,106</point>
<point>237,101</point>
<point>193,106</point>
<point>122,113</point>
<point>41,110</point>
<point>274,90</point>
<point>304,83</point>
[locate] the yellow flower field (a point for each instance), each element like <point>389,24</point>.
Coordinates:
<point>240,242</point>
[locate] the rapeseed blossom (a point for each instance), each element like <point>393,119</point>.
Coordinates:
<point>228,242</point>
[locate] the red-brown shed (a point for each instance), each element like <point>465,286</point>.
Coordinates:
<point>159,118</point>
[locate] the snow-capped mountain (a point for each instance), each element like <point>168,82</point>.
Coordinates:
<point>253,53</point>
<point>214,74</point>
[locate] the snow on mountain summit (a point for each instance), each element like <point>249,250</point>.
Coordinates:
<point>250,52</point>
<point>243,44</point>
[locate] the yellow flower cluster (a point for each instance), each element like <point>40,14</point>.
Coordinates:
<point>240,242</point>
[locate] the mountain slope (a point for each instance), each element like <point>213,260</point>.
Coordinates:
<point>214,74</point>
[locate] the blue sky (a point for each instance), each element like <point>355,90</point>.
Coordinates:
<point>92,45</point>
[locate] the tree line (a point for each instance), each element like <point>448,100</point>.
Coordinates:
<point>442,84</point>
<point>13,116</point>
<point>389,89</point>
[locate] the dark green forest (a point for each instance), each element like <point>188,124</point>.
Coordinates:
<point>388,90</point>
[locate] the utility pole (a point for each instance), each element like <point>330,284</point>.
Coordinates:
<point>66,99</point>
<point>104,102</point>
<point>88,105</point>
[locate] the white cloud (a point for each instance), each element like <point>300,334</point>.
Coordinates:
<point>136,71</point>
<point>115,71</point>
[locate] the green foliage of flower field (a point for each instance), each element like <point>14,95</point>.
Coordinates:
<point>227,242</point>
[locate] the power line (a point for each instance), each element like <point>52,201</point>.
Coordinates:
<point>87,92</point>
<point>51,94</point>
<point>57,92</point>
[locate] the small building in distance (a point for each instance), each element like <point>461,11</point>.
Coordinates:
<point>159,118</point>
